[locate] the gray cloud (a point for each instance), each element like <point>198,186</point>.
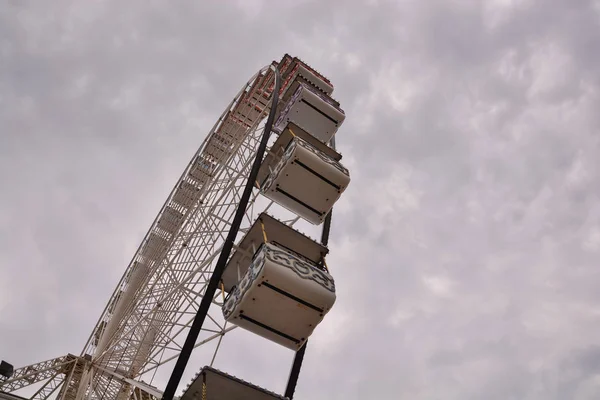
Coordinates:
<point>465,250</point>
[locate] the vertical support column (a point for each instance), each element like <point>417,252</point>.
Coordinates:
<point>213,284</point>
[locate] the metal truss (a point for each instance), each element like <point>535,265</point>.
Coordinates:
<point>42,371</point>
<point>53,374</point>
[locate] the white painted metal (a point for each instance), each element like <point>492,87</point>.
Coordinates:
<point>42,371</point>
<point>283,296</point>
<point>140,271</point>
<point>313,112</point>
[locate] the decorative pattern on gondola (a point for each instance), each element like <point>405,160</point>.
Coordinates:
<point>240,290</point>
<point>303,269</point>
<point>282,257</point>
<point>279,166</point>
<point>288,153</point>
<point>284,112</point>
<point>296,254</point>
<point>323,156</point>
<point>326,98</point>
<point>279,123</point>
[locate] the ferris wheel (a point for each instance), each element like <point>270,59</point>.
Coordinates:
<point>222,254</point>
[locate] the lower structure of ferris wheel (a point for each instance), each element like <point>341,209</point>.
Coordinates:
<point>218,257</point>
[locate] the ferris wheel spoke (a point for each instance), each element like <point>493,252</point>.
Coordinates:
<point>198,344</point>
<point>49,387</point>
<point>183,326</point>
<point>163,344</point>
<point>183,281</point>
<point>169,295</point>
<point>221,327</point>
<point>212,361</point>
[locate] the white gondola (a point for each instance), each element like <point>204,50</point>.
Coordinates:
<point>303,175</point>
<point>313,112</point>
<point>275,231</point>
<point>293,71</point>
<point>212,384</point>
<point>281,290</point>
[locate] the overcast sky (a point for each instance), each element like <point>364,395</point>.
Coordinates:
<point>466,249</point>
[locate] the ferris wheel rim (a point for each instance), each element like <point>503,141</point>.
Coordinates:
<point>223,330</point>
<point>202,144</point>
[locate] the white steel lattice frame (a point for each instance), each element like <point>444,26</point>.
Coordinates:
<point>166,303</point>
<point>178,265</point>
<point>42,371</point>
